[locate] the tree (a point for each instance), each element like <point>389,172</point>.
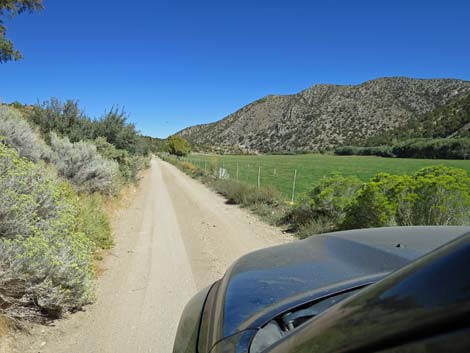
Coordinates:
<point>117,131</point>
<point>178,146</point>
<point>11,8</point>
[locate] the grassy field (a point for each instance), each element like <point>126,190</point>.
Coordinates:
<point>278,170</point>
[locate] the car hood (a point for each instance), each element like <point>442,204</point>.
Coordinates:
<point>267,277</point>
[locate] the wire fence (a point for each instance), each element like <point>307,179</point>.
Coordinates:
<point>262,176</point>
<point>294,175</point>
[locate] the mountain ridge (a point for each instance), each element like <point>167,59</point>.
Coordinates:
<point>327,115</point>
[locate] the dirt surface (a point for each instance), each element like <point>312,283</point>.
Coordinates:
<point>175,237</point>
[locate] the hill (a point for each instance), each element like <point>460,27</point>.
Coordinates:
<point>451,120</point>
<point>324,116</point>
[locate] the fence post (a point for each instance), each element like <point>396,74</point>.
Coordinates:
<point>205,166</point>
<point>293,186</point>
<point>237,170</point>
<point>259,177</point>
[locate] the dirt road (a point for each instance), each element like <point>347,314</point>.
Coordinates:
<point>174,238</point>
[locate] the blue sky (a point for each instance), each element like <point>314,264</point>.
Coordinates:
<point>175,63</point>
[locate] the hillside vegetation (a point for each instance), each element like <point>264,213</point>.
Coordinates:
<point>326,116</point>
<point>56,168</point>
<point>441,133</point>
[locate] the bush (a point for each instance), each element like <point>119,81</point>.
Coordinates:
<point>129,165</point>
<point>178,146</point>
<point>114,127</point>
<point>244,194</point>
<point>17,133</point>
<point>317,226</point>
<point>66,119</point>
<point>441,196</point>
<point>325,204</point>
<point>376,204</point>
<point>46,265</point>
<point>85,168</point>
<point>432,196</point>
<point>333,195</point>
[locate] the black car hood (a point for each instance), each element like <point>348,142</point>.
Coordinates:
<point>273,275</point>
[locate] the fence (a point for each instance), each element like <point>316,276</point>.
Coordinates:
<point>282,179</point>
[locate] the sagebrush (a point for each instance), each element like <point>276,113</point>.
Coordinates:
<point>16,132</point>
<point>81,163</point>
<point>46,265</point>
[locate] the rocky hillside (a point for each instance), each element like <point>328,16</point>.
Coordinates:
<point>327,115</point>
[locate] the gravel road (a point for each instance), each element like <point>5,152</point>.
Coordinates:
<point>175,237</point>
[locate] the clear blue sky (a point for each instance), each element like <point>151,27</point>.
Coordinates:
<point>176,63</point>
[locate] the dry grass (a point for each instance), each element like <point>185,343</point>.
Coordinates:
<point>113,205</point>
<point>6,325</point>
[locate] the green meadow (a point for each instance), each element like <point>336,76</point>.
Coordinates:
<point>278,170</point>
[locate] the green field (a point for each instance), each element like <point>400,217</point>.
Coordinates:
<point>278,170</point>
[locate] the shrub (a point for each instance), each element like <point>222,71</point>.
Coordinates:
<point>317,226</point>
<point>65,119</point>
<point>114,127</point>
<point>244,194</point>
<point>129,165</point>
<point>46,265</point>
<point>178,146</point>
<point>17,133</point>
<point>333,195</point>
<point>441,196</point>
<point>372,207</point>
<point>325,203</point>
<point>85,168</point>
<point>432,196</point>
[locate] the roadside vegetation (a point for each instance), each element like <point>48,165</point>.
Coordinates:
<point>277,171</point>
<point>57,169</point>
<point>436,195</point>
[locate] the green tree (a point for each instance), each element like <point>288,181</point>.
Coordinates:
<point>117,131</point>
<point>178,146</point>
<point>11,8</point>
